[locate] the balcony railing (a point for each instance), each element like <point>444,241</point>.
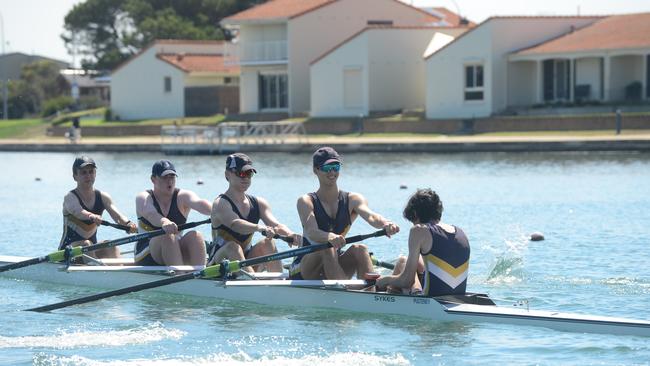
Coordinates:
<point>269,52</point>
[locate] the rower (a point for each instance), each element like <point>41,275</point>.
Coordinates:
<point>236,216</point>
<point>83,208</point>
<point>443,248</point>
<point>166,207</point>
<point>326,216</point>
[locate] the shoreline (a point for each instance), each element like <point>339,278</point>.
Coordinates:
<point>432,144</point>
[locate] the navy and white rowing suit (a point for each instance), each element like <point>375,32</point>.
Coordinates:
<point>142,256</point>
<point>72,224</point>
<point>223,234</point>
<point>446,263</point>
<point>338,225</point>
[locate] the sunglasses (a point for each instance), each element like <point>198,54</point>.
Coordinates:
<point>329,167</point>
<point>243,174</point>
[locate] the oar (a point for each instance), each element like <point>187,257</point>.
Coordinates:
<point>60,255</point>
<point>217,270</point>
<point>117,226</point>
<point>380,263</point>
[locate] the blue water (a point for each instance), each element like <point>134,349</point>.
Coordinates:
<point>592,208</point>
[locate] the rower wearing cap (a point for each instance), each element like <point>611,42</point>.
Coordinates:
<point>83,208</point>
<point>438,259</point>
<point>326,216</point>
<point>236,216</point>
<point>166,207</point>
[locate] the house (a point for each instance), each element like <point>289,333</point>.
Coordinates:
<point>11,64</point>
<point>278,40</point>
<point>89,86</point>
<point>510,63</point>
<point>175,79</point>
<point>379,69</point>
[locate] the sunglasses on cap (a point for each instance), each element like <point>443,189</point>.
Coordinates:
<point>329,167</point>
<point>243,173</point>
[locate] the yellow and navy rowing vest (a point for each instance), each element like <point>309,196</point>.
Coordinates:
<point>223,234</point>
<point>71,223</point>
<point>447,263</point>
<point>142,254</point>
<point>337,225</point>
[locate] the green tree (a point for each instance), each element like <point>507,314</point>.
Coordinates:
<point>39,81</point>
<point>107,32</point>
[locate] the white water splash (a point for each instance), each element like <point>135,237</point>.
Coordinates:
<point>342,359</point>
<point>86,338</point>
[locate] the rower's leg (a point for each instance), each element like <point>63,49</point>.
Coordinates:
<point>323,264</point>
<point>265,247</point>
<point>231,251</point>
<point>193,248</point>
<point>166,250</point>
<point>399,268</point>
<point>356,260</point>
<point>112,252</point>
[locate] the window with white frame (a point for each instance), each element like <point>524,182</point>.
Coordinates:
<point>168,84</point>
<point>273,91</point>
<point>474,82</point>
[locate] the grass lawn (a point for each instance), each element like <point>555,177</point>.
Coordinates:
<point>22,128</point>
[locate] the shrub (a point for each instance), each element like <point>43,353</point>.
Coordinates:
<point>51,106</point>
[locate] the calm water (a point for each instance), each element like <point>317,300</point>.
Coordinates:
<point>592,207</point>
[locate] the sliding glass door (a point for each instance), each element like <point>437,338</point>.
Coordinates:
<point>274,91</point>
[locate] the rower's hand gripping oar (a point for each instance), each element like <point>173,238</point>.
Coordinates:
<point>117,226</point>
<point>217,270</point>
<point>60,255</point>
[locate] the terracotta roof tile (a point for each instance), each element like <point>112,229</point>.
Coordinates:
<point>613,32</point>
<point>278,9</point>
<point>198,63</point>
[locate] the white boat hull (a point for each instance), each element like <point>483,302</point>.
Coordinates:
<point>334,295</point>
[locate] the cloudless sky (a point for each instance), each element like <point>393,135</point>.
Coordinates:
<point>35,26</point>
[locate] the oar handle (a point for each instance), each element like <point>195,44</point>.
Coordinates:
<point>287,239</point>
<point>59,256</point>
<point>234,266</point>
<point>117,226</point>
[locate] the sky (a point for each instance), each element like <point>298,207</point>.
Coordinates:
<point>35,26</point>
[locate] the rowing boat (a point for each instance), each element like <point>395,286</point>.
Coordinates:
<point>346,295</point>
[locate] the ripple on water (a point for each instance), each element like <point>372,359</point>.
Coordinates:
<point>241,358</point>
<point>66,339</point>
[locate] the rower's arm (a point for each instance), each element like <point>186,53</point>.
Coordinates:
<point>309,224</point>
<point>417,237</point>
<point>144,208</point>
<point>193,201</point>
<point>115,214</point>
<point>359,204</point>
<point>270,221</point>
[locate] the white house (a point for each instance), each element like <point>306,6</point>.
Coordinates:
<point>175,79</point>
<point>278,40</point>
<point>519,62</point>
<point>378,69</point>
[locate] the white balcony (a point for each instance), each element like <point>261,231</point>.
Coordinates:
<point>257,53</point>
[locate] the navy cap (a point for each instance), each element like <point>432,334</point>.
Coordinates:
<point>163,168</point>
<point>82,161</point>
<point>326,155</point>
<point>239,162</point>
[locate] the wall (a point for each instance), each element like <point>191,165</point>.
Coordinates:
<point>137,89</point>
<point>249,85</point>
<point>522,83</point>
<point>327,79</point>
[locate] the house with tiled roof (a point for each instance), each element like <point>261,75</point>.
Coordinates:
<point>279,39</point>
<point>175,79</point>
<point>513,63</point>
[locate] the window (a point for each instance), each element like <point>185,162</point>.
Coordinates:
<point>227,80</point>
<point>474,82</point>
<point>273,89</point>
<point>168,84</point>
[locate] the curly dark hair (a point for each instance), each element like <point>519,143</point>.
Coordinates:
<point>424,205</point>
